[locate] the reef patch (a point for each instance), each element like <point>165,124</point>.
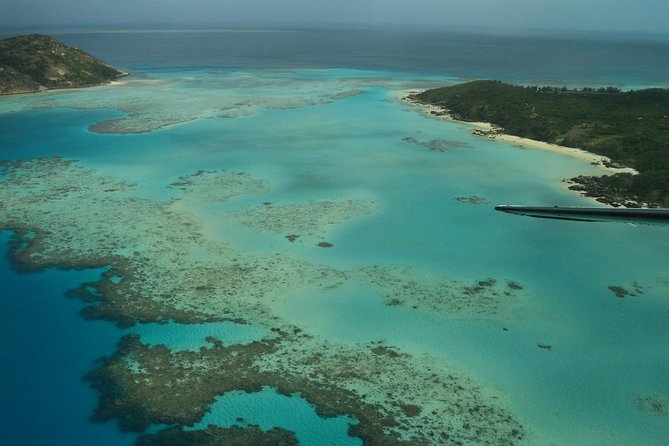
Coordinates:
<point>651,404</point>
<point>472,199</point>
<point>347,94</point>
<point>206,185</point>
<point>161,267</point>
<point>226,95</point>
<point>438,145</point>
<point>438,295</point>
<point>622,292</point>
<point>216,436</point>
<point>311,220</point>
<point>394,402</point>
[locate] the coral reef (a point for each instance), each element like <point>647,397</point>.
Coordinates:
<point>161,267</point>
<point>652,404</point>
<point>438,145</point>
<point>303,222</point>
<point>473,199</point>
<point>216,436</point>
<point>623,292</point>
<point>439,295</point>
<point>206,185</point>
<point>394,402</point>
<point>228,95</point>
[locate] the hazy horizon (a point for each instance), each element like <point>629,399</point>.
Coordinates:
<point>568,16</point>
<point>8,31</point>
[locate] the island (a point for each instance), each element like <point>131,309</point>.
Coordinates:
<point>36,62</point>
<point>631,128</point>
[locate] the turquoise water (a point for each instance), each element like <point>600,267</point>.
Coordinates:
<point>181,337</point>
<point>268,409</point>
<point>282,126</point>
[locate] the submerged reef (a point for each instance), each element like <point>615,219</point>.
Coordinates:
<point>439,295</point>
<point>216,436</point>
<point>623,292</point>
<point>142,385</point>
<point>304,222</point>
<point>199,96</point>
<point>160,266</point>
<point>438,145</point>
<point>115,298</point>
<point>393,402</point>
<point>206,185</point>
<point>472,199</point>
<point>165,268</point>
<point>347,94</point>
<point>652,404</point>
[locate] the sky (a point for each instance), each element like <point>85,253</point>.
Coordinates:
<point>580,15</point>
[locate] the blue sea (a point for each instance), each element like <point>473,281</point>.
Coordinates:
<point>316,113</point>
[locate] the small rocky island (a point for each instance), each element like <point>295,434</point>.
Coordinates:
<point>35,63</point>
<point>629,127</point>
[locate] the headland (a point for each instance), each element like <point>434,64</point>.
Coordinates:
<point>625,132</point>
<point>35,63</point>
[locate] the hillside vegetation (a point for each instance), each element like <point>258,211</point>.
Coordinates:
<point>36,62</point>
<point>631,128</point>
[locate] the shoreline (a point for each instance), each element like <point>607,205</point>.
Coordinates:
<point>120,80</point>
<point>491,131</point>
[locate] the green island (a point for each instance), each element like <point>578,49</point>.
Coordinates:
<point>36,63</point>
<point>629,127</point>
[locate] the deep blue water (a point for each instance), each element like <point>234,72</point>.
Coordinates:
<point>530,59</point>
<point>46,349</point>
<point>49,132</point>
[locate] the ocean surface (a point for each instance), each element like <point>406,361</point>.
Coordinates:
<point>317,115</point>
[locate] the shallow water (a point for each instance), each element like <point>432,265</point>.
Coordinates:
<point>295,130</point>
<point>268,409</point>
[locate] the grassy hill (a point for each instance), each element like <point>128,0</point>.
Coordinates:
<point>631,128</point>
<point>35,62</point>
